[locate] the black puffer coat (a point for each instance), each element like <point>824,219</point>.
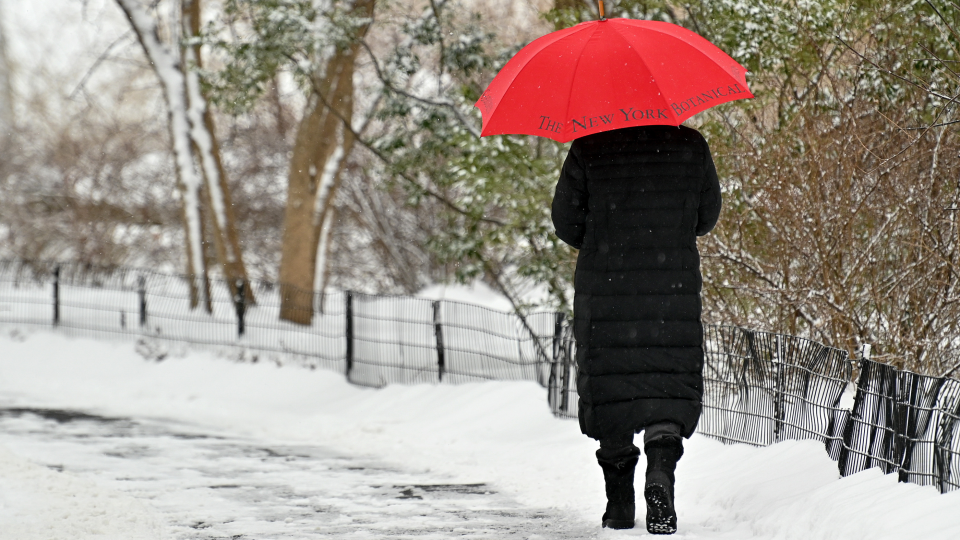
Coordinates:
<point>633,201</point>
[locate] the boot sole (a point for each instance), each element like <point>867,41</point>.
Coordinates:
<point>619,524</point>
<point>661,517</point>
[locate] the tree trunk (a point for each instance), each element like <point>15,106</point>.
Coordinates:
<point>223,219</point>
<point>167,67</point>
<point>326,242</point>
<point>6,89</point>
<point>320,150</point>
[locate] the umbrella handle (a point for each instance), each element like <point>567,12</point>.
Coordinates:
<point>602,18</point>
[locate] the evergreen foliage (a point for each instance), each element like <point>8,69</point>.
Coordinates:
<point>502,186</point>
<point>261,38</point>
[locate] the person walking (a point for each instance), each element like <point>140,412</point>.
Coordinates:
<point>633,201</point>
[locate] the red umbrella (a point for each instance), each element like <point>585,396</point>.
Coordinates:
<point>609,74</point>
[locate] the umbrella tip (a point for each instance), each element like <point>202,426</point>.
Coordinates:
<point>602,17</point>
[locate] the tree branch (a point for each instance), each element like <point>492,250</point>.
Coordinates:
<point>440,104</point>
<point>96,64</point>
<point>447,202</point>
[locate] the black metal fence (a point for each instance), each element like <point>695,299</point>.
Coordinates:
<point>759,388</point>
<point>374,340</point>
<point>904,423</point>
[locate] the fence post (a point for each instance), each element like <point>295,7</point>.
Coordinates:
<point>56,295</point>
<point>142,293</point>
<point>240,303</point>
<point>565,376</point>
<point>349,333</point>
<point>856,413</point>
<point>779,375</point>
<point>552,382</point>
<point>438,333</point>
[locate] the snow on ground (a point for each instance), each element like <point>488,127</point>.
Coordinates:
<point>499,434</point>
<point>36,502</point>
<point>478,293</point>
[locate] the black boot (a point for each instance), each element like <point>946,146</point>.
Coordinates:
<point>618,473</point>
<point>662,457</point>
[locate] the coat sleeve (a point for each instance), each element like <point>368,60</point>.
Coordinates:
<point>569,209</point>
<point>710,200</point>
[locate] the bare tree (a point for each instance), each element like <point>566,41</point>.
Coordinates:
<point>194,142</point>
<point>204,136</point>
<point>844,230</point>
<point>6,90</point>
<point>168,69</point>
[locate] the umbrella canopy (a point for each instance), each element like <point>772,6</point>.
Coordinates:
<point>609,74</point>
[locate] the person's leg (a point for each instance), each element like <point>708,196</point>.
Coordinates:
<point>614,448</point>
<point>618,458</point>
<point>663,444</point>
<point>661,431</point>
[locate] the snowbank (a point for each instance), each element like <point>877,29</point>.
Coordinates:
<point>501,433</point>
<point>478,293</point>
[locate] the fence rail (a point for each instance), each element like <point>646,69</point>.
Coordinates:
<point>759,387</point>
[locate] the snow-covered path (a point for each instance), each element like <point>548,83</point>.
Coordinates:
<point>200,447</point>
<point>214,486</point>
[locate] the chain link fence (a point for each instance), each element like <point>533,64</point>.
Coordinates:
<point>760,388</point>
